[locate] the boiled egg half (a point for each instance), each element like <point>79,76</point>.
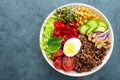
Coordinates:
<point>71,47</point>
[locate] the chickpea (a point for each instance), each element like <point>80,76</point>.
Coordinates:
<point>85,17</point>
<point>96,18</point>
<point>88,15</point>
<point>85,13</point>
<point>92,15</point>
<point>87,10</point>
<point>81,13</point>
<point>79,8</point>
<point>95,15</point>
<point>85,20</point>
<point>76,12</point>
<point>83,8</point>
<point>80,18</point>
<point>81,22</point>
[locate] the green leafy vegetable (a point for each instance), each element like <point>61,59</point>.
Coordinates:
<point>48,29</point>
<point>66,14</point>
<point>54,44</point>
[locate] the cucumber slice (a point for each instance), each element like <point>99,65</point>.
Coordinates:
<point>93,24</point>
<point>102,23</point>
<point>100,28</point>
<point>83,29</point>
<point>89,31</point>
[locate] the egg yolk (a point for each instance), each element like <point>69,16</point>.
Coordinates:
<point>70,48</point>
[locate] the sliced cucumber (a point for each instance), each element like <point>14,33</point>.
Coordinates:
<point>93,24</point>
<point>102,23</point>
<point>89,31</point>
<point>100,28</point>
<point>83,29</point>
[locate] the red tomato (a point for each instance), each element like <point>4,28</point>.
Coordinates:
<point>68,63</point>
<point>57,54</point>
<point>58,63</point>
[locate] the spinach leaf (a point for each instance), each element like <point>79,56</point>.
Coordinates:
<point>54,44</point>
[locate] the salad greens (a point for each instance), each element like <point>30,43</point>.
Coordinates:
<point>48,29</point>
<point>54,44</point>
<point>66,14</point>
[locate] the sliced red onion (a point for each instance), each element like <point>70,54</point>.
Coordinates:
<point>102,35</point>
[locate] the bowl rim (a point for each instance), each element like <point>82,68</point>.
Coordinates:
<point>107,56</point>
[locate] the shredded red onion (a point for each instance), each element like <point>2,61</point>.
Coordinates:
<point>102,35</point>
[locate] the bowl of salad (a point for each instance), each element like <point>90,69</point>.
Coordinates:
<point>76,39</point>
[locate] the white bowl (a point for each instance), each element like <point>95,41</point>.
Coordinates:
<point>74,73</point>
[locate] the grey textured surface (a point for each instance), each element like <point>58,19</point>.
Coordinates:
<point>20,55</point>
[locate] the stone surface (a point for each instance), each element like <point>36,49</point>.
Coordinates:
<point>20,55</point>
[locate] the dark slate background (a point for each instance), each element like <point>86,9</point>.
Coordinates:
<point>20,55</point>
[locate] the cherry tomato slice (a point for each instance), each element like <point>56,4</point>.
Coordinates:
<point>57,54</point>
<point>58,63</point>
<point>68,63</point>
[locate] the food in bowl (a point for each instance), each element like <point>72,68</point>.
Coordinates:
<point>71,47</point>
<point>75,38</point>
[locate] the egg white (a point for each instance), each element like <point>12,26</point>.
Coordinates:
<point>77,44</point>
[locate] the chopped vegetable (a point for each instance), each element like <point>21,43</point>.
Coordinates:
<point>89,27</point>
<point>100,28</point>
<point>58,63</point>
<point>102,23</point>
<point>102,35</point>
<point>68,63</point>
<point>57,54</point>
<point>89,31</point>
<point>48,28</point>
<point>64,30</point>
<point>83,29</point>
<point>93,24</point>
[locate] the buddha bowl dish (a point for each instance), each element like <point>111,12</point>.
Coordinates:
<point>76,39</point>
